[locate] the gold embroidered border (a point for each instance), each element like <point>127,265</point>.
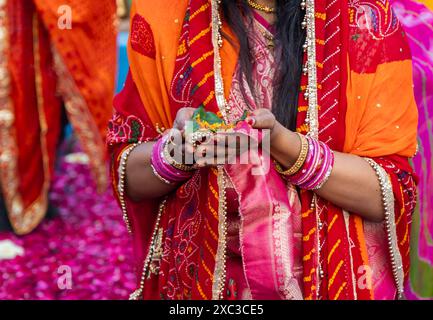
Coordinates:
<point>352,271</point>
<point>82,121</point>
<point>220,260</point>
<point>312,113</point>
<point>23,220</point>
<point>121,186</point>
<point>217,42</point>
<point>42,119</point>
<point>137,294</point>
<point>391,228</point>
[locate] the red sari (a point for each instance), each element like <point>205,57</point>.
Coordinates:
<point>44,68</point>
<point>180,241</point>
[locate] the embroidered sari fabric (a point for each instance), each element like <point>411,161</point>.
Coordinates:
<point>362,59</point>
<point>417,20</point>
<point>52,54</point>
<point>243,265</point>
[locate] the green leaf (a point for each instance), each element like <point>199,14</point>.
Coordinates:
<point>212,118</point>
<point>244,116</point>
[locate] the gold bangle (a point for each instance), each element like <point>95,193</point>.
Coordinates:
<point>174,163</point>
<point>299,162</point>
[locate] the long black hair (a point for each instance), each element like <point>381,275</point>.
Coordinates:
<point>289,40</point>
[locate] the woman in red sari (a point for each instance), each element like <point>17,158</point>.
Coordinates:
<point>53,54</point>
<point>330,83</point>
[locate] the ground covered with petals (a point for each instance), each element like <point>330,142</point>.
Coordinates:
<point>82,253</point>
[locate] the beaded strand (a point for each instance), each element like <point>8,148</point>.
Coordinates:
<point>122,180</point>
<point>388,206</point>
<point>139,292</point>
<point>220,267</point>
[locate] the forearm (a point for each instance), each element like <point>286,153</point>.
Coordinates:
<point>353,184</point>
<point>141,182</point>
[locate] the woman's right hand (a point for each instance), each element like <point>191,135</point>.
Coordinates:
<point>141,180</point>
<point>181,150</point>
<point>182,116</point>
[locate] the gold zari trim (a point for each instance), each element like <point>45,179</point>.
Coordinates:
<point>153,248</point>
<point>82,121</point>
<point>23,219</point>
<point>220,261</point>
<point>391,229</point>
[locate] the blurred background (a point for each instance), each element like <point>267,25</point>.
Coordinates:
<point>61,231</point>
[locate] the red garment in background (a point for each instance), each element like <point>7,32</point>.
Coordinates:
<point>47,67</point>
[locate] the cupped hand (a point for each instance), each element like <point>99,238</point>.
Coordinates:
<point>180,148</point>
<point>182,117</point>
<point>265,119</point>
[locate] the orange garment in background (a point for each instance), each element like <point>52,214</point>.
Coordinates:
<point>46,65</point>
<point>88,49</point>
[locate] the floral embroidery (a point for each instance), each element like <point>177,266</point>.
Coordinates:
<point>375,16</point>
<point>157,254</point>
<point>180,242</point>
<point>370,22</point>
<point>141,38</point>
<point>121,130</point>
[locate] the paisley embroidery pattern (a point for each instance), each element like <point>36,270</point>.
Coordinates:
<point>181,87</point>
<point>193,80</point>
<point>375,16</point>
<point>181,244</point>
<point>121,130</point>
<point>141,38</point>
<point>263,72</point>
<point>370,22</point>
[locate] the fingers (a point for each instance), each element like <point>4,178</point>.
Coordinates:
<point>179,148</point>
<point>219,150</point>
<point>182,116</point>
<point>261,119</point>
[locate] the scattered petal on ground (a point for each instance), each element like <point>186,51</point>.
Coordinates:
<point>83,253</point>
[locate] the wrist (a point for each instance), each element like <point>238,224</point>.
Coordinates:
<point>276,131</point>
<point>295,147</point>
<point>286,146</point>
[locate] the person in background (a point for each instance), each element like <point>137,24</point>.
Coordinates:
<point>57,64</point>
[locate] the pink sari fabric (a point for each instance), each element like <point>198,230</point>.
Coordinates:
<point>265,231</point>
<point>257,266</point>
<point>382,280</point>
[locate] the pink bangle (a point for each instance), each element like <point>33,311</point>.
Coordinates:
<point>312,166</point>
<point>323,171</point>
<point>317,167</point>
<point>327,173</point>
<point>162,169</point>
<point>318,170</point>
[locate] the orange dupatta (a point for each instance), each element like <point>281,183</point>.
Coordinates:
<point>43,67</point>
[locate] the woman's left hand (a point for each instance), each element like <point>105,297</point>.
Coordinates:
<point>284,144</point>
<point>265,119</point>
